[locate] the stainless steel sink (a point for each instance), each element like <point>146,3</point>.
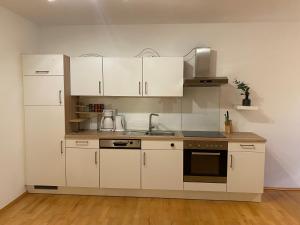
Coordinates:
<point>136,133</point>
<point>160,133</point>
<point>152,133</point>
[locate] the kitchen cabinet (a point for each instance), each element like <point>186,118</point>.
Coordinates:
<point>122,76</point>
<point>163,76</point>
<point>120,168</point>
<point>245,172</point>
<point>82,167</point>
<point>43,90</point>
<point>86,76</point>
<point>44,97</point>
<point>162,169</point>
<point>44,144</point>
<point>39,65</point>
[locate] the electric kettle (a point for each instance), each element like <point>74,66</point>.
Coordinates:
<point>108,120</point>
<point>120,123</point>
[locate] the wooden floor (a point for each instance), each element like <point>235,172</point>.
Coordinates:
<point>278,207</point>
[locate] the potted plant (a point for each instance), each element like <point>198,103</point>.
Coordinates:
<point>244,88</point>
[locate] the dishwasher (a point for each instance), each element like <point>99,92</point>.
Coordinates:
<point>120,162</point>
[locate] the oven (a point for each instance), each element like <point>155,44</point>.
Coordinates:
<point>205,161</point>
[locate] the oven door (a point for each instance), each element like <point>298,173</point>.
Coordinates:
<point>208,166</point>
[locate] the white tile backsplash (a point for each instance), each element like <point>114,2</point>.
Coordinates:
<point>197,110</point>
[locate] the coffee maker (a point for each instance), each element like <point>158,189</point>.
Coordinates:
<point>107,122</point>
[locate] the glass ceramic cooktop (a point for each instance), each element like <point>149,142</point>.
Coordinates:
<point>209,134</point>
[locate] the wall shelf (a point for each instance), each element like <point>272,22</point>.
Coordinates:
<point>247,108</point>
<point>78,120</point>
<point>89,113</point>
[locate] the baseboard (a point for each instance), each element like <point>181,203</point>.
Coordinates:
<point>281,189</point>
<point>204,195</point>
<point>13,202</point>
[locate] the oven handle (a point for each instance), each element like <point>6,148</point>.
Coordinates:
<point>205,153</point>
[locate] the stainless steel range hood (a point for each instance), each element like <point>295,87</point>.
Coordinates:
<point>198,70</point>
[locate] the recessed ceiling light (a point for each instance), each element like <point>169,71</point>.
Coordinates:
<point>51,0</point>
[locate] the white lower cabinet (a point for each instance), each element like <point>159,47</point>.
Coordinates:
<point>245,172</point>
<point>82,167</point>
<point>120,168</point>
<point>162,169</point>
<point>44,145</point>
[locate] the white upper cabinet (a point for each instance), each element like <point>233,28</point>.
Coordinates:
<point>43,65</point>
<point>86,76</point>
<point>163,76</point>
<point>44,145</point>
<point>43,90</point>
<point>122,76</point>
<point>246,162</point>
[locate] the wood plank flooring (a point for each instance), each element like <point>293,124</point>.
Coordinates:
<point>278,208</point>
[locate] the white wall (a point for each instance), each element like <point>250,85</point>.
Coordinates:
<point>17,36</point>
<point>265,55</point>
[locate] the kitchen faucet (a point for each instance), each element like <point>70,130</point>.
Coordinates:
<point>150,121</point>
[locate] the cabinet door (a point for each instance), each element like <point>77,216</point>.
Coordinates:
<point>163,76</point>
<point>162,169</point>
<point>45,155</point>
<point>245,172</point>
<point>43,65</point>
<point>82,167</point>
<point>43,90</point>
<point>120,168</point>
<point>86,76</point>
<point>122,76</point>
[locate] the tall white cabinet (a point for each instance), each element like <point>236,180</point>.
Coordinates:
<point>45,154</point>
<point>44,107</point>
<point>43,90</point>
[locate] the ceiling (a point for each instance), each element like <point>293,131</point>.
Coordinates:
<point>90,12</point>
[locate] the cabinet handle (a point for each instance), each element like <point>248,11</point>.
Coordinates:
<point>96,158</point>
<point>140,88</point>
<point>231,161</point>
<point>81,143</point>
<point>247,146</point>
<point>100,89</point>
<point>144,158</point>
<point>42,71</point>
<point>60,100</point>
<point>146,88</point>
<point>206,153</point>
<point>61,147</point>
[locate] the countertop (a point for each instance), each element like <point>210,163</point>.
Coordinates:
<point>233,137</point>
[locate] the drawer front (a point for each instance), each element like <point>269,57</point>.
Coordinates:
<point>43,65</point>
<point>162,145</point>
<point>81,143</point>
<point>247,147</point>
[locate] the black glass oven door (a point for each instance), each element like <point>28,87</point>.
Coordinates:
<point>205,163</point>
